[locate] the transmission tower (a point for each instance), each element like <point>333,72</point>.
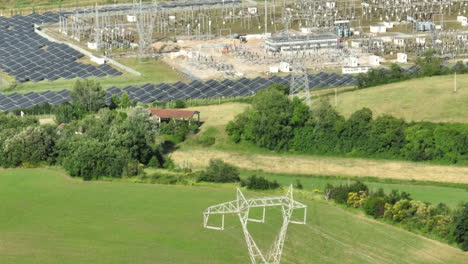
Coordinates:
<point>97,37</point>
<point>241,206</point>
<point>299,81</point>
<point>145,27</point>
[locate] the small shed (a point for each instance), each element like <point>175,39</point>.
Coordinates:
<point>353,62</point>
<point>174,114</point>
<point>378,28</point>
<point>402,57</point>
<point>374,60</point>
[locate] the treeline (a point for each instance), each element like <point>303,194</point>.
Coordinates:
<point>95,141</point>
<point>277,123</point>
<point>399,208</point>
<point>426,66</point>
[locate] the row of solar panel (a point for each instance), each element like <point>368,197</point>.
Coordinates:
<point>162,5</point>
<point>179,90</point>
<point>30,57</point>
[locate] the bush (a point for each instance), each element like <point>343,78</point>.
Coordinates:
<point>355,199</point>
<point>169,163</point>
<point>179,103</point>
<point>206,140</point>
<point>154,163</point>
<point>340,193</point>
<point>259,183</point>
<point>298,185</point>
<point>374,206</point>
<point>460,232</point>
<point>219,171</point>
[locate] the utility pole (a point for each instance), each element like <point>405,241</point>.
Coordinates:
<point>455,83</point>
<point>336,96</point>
<point>266,17</point>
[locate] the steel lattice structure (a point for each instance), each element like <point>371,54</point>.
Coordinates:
<point>241,206</point>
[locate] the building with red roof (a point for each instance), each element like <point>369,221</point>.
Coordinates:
<point>168,114</point>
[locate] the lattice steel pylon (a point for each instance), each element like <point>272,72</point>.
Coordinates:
<point>296,58</point>
<point>300,81</point>
<point>241,206</point>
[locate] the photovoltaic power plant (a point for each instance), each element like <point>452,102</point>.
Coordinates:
<point>29,57</point>
<point>165,92</point>
<point>162,5</point>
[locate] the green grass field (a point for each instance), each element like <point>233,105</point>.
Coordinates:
<point>152,71</point>
<point>432,194</point>
<point>426,99</point>
<point>49,218</point>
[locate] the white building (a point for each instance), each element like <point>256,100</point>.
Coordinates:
<point>274,69</point>
<point>420,40</point>
<point>388,24</point>
<point>462,19</point>
<point>378,28</point>
<point>92,45</point>
<point>352,61</point>
<point>402,57</point>
<point>252,10</point>
<point>356,44</point>
<point>374,60</point>
<point>131,19</point>
<point>284,67</point>
<point>98,59</point>
<point>302,42</point>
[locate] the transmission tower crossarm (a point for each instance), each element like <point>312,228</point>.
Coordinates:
<point>241,206</point>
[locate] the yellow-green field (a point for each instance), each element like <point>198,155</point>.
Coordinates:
<point>428,99</point>
<point>47,217</point>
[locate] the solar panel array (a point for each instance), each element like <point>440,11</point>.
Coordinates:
<point>22,101</point>
<point>30,57</point>
<point>169,92</point>
<point>161,5</point>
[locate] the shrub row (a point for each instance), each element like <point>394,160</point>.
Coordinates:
<point>398,208</point>
<point>277,123</point>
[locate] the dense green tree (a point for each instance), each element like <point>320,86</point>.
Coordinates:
<point>33,145</point>
<point>354,135</point>
<point>420,144</point>
<point>386,136</point>
<point>66,113</point>
<point>395,195</point>
<point>10,120</point>
<point>114,102</point>
<point>451,142</point>
<point>88,94</point>
<point>429,64</point>
<point>301,113</point>
<point>460,232</point>
<point>125,101</point>
<point>91,158</point>
<point>267,123</point>
<point>259,183</point>
<point>374,206</point>
<point>219,171</point>
<point>179,103</point>
<point>460,67</point>
<point>137,135</point>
